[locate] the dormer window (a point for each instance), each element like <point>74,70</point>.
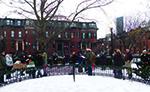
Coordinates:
<point>19,23</point>
<point>84,25</point>
<point>27,22</point>
<point>8,22</point>
<point>92,25</point>
<point>73,25</point>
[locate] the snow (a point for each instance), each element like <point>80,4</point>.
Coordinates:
<point>83,83</point>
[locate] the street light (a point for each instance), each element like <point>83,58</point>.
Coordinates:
<point>112,44</point>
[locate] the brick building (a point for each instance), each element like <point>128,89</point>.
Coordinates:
<point>21,35</point>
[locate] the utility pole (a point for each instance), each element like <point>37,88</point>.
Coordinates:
<point>112,41</point>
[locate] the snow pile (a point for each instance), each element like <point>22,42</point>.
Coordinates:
<point>83,83</point>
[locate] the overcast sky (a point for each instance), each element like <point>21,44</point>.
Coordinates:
<point>104,21</point>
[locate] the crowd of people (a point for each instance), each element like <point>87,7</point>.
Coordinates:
<point>121,61</point>
<point>85,60</point>
<point>125,60</point>
<point>40,60</point>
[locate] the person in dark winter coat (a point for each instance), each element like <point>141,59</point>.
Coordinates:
<point>80,61</point>
<point>144,56</point>
<point>39,63</point>
<point>103,60</point>
<point>73,58</point>
<point>128,58</point>
<point>118,63</point>
<point>73,62</point>
<point>2,67</point>
<point>2,44</point>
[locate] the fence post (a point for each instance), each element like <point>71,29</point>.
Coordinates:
<point>73,72</point>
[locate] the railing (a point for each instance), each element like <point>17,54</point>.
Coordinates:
<point>30,73</point>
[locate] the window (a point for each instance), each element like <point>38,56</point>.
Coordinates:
<point>12,34</point>
<point>7,22</point>
<point>31,22</point>
<point>47,34</point>
<point>66,25</point>
<point>78,34</point>
<point>84,25</point>
<point>89,35</point>
<point>72,35</point>
<point>20,34</point>
<point>92,25</point>
<point>33,32</point>
<point>5,33</point>
<point>27,22</point>
<point>83,35</point>
<point>59,36</point>
<point>66,34</point>
<point>1,22</point>
<point>27,44</point>
<point>19,23</point>
<point>11,22</point>
<point>73,25</point>
<point>34,45</point>
<point>26,32</point>
<point>59,24</point>
<point>95,36</point>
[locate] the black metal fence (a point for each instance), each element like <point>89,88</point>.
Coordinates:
<point>30,73</point>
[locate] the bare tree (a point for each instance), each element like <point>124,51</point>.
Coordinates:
<point>132,22</point>
<point>45,10</point>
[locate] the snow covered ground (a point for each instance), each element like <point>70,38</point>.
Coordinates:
<point>83,83</point>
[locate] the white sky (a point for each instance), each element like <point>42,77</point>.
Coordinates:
<point>104,21</point>
<point>117,9</point>
<point>83,83</point>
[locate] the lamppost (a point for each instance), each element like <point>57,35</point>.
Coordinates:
<point>112,41</point>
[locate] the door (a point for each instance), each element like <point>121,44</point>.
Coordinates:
<point>19,45</point>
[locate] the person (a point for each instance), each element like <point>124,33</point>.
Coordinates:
<point>44,57</point>
<point>144,56</point>
<point>2,44</point>
<point>80,61</point>
<point>118,64</point>
<point>103,60</point>
<point>31,70</point>
<point>2,67</point>
<point>54,58</point>
<point>128,58</point>
<point>67,59</point>
<point>73,58</point>
<point>2,59</point>
<point>9,64</point>
<point>39,63</point>
<point>73,62</point>
<point>91,59</point>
